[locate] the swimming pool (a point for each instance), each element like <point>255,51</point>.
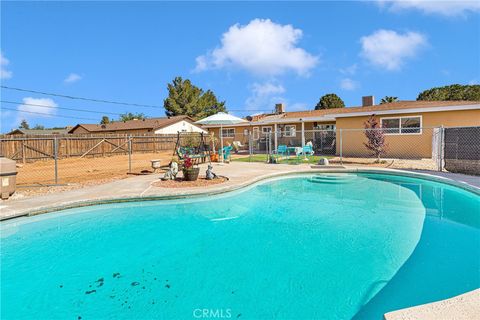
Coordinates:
<point>307,246</point>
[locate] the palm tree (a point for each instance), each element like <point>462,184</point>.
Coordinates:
<point>388,99</point>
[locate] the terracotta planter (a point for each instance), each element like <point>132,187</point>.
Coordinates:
<point>214,157</point>
<point>191,174</point>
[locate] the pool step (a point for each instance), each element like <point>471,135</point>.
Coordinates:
<point>333,178</point>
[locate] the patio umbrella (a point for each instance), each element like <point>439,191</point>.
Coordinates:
<point>221,119</point>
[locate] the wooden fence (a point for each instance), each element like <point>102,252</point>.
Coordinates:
<point>32,148</point>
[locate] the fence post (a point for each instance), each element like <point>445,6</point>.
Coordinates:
<point>440,147</point>
<point>24,159</point>
<point>275,128</point>
<point>129,154</point>
<point>341,147</point>
<point>250,146</point>
<point>55,155</point>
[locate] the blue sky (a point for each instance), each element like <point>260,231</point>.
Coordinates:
<point>251,54</point>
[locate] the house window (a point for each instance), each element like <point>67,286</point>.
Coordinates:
<point>228,132</point>
<point>402,125</point>
<point>325,127</point>
<point>290,131</point>
<point>266,130</point>
<point>256,133</point>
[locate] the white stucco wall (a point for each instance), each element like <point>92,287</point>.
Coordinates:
<point>182,126</point>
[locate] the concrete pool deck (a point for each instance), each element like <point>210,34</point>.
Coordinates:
<point>242,174</point>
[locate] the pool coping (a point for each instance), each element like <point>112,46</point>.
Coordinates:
<point>463,306</point>
<point>220,189</point>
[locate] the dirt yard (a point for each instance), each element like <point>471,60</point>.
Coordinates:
<point>87,170</point>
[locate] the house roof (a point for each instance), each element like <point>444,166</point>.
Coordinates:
<point>151,123</point>
<point>330,115</point>
<point>393,106</point>
<point>39,131</point>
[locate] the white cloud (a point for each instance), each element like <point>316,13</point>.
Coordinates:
<point>35,105</point>
<point>4,62</point>
<point>445,7</point>
<point>72,77</point>
<point>389,49</point>
<point>261,47</point>
<point>348,84</point>
<point>264,96</point>
<point>350,70</point>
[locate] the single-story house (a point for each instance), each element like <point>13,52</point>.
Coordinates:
<point>166,125</point>
<point>409,127</point>
<point>36,132</point>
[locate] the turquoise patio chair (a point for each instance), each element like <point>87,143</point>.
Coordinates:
<point>307,151</point>
<point>282,150</point>
<point>226,153</point>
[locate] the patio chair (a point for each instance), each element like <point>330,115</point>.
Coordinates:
<point>226,153</point>
<point>332,147</point>
<point>237,145</point>
<point>307,151</point>
<point>282,150</point>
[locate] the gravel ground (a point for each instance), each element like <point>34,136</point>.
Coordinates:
<point>179,183</point>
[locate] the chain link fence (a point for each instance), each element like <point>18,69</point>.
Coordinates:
<point>44,161</point>
<point>425,148</point>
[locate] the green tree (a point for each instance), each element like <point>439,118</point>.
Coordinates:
<point>105,120</point>
<point>131,116</point>
<point>24,125</point>
<point>39,127</point>
<point>184,98</point>
<point>330,101</point>
<point>388,99</point>
<point>452,92</point>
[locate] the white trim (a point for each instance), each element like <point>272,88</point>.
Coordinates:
<point>253,133</point>
<point>400,111</point>
<point>277,121</point>
<point>400,133</point>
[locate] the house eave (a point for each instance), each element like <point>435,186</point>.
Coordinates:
<point>410,110</point>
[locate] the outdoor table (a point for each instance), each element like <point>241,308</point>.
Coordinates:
<point>295,150</point>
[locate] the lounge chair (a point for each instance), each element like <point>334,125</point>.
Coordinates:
<point>237,145</point>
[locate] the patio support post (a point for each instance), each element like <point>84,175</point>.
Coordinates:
<point>275,136</point>
<point>303,134</point>
<point>221,144</point>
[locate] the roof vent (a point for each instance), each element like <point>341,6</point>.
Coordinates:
<point>249,118</point>
<point>368,101</point>
<point>279,108</point>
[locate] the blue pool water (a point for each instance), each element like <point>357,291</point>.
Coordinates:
<point>300,247</point>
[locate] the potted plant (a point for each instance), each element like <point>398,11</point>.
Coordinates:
<point>190,171</point>
<point>214,155</point>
